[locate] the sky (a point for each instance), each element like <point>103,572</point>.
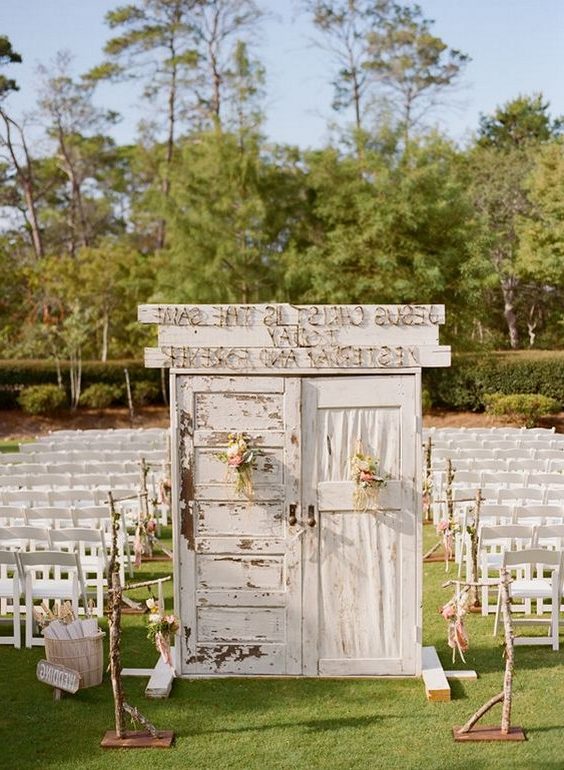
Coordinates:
<point>516,47</point>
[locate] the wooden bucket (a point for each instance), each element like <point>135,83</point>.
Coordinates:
<point>86,656</point>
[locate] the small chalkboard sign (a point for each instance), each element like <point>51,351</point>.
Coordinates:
<point>59,677</point>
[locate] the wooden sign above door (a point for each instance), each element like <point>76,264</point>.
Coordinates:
<point>300,339</point>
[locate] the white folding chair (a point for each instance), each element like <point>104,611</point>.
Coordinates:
<point>12,515</point>
<point>10,592</point>
<point>492,543</point>
<point>540,587</point>
<point>44,579</point>
<point>90,546</point>
<point>538,514</point>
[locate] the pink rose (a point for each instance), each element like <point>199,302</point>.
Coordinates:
<point>235,461</point>
<point>366,476</point>
<point>448,611</point>
<point>443,525</point>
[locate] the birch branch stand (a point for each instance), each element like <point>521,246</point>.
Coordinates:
<point>120,737</point>
<point>505,732</point>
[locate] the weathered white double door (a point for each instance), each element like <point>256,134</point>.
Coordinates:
<point>297,582</point>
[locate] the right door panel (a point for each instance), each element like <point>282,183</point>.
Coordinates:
<point>360,597</point>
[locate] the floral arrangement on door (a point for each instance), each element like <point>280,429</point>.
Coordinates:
<point>240,458</point>
<point>367,479</point>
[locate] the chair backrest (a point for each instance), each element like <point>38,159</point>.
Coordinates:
<point>505,478</point>
<point>513,535</point>
<point>550,536</point>
<point>79,539</point>
<point>12,515</point>
<point>9,559</point>
<point>539,514</point>
<point>26,538</point>
<point>544,556</point>
<point>27,497</point>
<point>521,493</point>
<point>92,515</point>
<point>493,514</point>
<point>516,453</point>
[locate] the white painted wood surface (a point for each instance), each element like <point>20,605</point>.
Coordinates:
<point>437,687</point>
<point>360,573</point>
<point>241,565</point>
<point>294,338</point>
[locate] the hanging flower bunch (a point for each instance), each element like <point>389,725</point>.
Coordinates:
<point>447,528</point>
<point>143,540</point>
<point>240,458</point>
<point>453,612</point>
<point>160,630</point>
<point>368,481</point>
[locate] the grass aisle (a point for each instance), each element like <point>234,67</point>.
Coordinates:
<point>271,724</point>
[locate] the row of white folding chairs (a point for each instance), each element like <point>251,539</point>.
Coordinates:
<point>88,543</point>
<point>496,514</point>
<point>508,453</point>
<point>36,453</point>
<point>436,431</point>
<point>129,466</point>
<point>500,464</point>
<point>522,478</point>
<point>57,517</point>
<point>461,445</point>
<point>37,575</point>
<point>69,481</point>
<point>125,435</point>
<point>464,498</point>
<point>495,540</point>
<point>63,497</point>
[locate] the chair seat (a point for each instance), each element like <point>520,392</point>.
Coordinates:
<point>531,589</point>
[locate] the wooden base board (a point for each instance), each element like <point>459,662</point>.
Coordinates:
<point>488,734</point>
<point>462,676</point>
<point>137,739</point>
<point>437,687</point>
<point>433,558</point>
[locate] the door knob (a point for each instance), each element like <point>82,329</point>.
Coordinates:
<point>292,520</point>
<point>311,515</point>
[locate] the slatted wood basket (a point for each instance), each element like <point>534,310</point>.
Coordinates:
<point>86,656</point>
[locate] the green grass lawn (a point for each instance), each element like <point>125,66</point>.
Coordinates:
<point>294,723</point>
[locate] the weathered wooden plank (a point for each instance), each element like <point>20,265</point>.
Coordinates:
<point>361,666</point>
<point>329,316</point>
<point>160,683</point>
<point>329,359</point>
<point>241,624</point>
<point>462,676</point>
<point>298,336</point>
<point>226,384</point>
<point>245,519</point>
<point>238,658</point>
<point>226,493</point>
<point>250,598</point>
<point>238,411</point>
<point>437,687</point>
<point>338,496</point>
<point>240,572</point>
<point>240,545</point>
<point>209,469</point>
<point>220,438</point>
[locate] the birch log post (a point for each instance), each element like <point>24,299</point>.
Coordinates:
<point>449,480</point>
<point>474,593</point>
<point>506,695</point>
<point>115,593</point>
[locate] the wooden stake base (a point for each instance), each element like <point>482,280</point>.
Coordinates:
<point>488,734</point>
<point>137,739</point>
<point>433,558</point>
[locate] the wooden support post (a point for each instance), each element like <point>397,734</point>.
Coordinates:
<point>428,485</point>
<point>475,602</point>
<point>505,732</point>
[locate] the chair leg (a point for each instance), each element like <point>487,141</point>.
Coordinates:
<point>17,621</point>
<point>28,613</point>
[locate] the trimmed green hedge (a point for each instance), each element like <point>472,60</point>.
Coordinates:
<point>465,384</point>
<point>15,375</point>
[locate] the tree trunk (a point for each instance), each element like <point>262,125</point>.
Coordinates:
<point>508,292</point>
<point>105,329</point>
<point>26,180</point>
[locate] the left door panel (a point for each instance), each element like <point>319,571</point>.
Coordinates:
<point>240,559</point>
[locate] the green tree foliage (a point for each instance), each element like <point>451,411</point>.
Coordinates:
<point>7,56</point>
<point>500,165</point>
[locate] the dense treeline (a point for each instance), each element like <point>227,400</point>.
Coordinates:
<point>203,208</point>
